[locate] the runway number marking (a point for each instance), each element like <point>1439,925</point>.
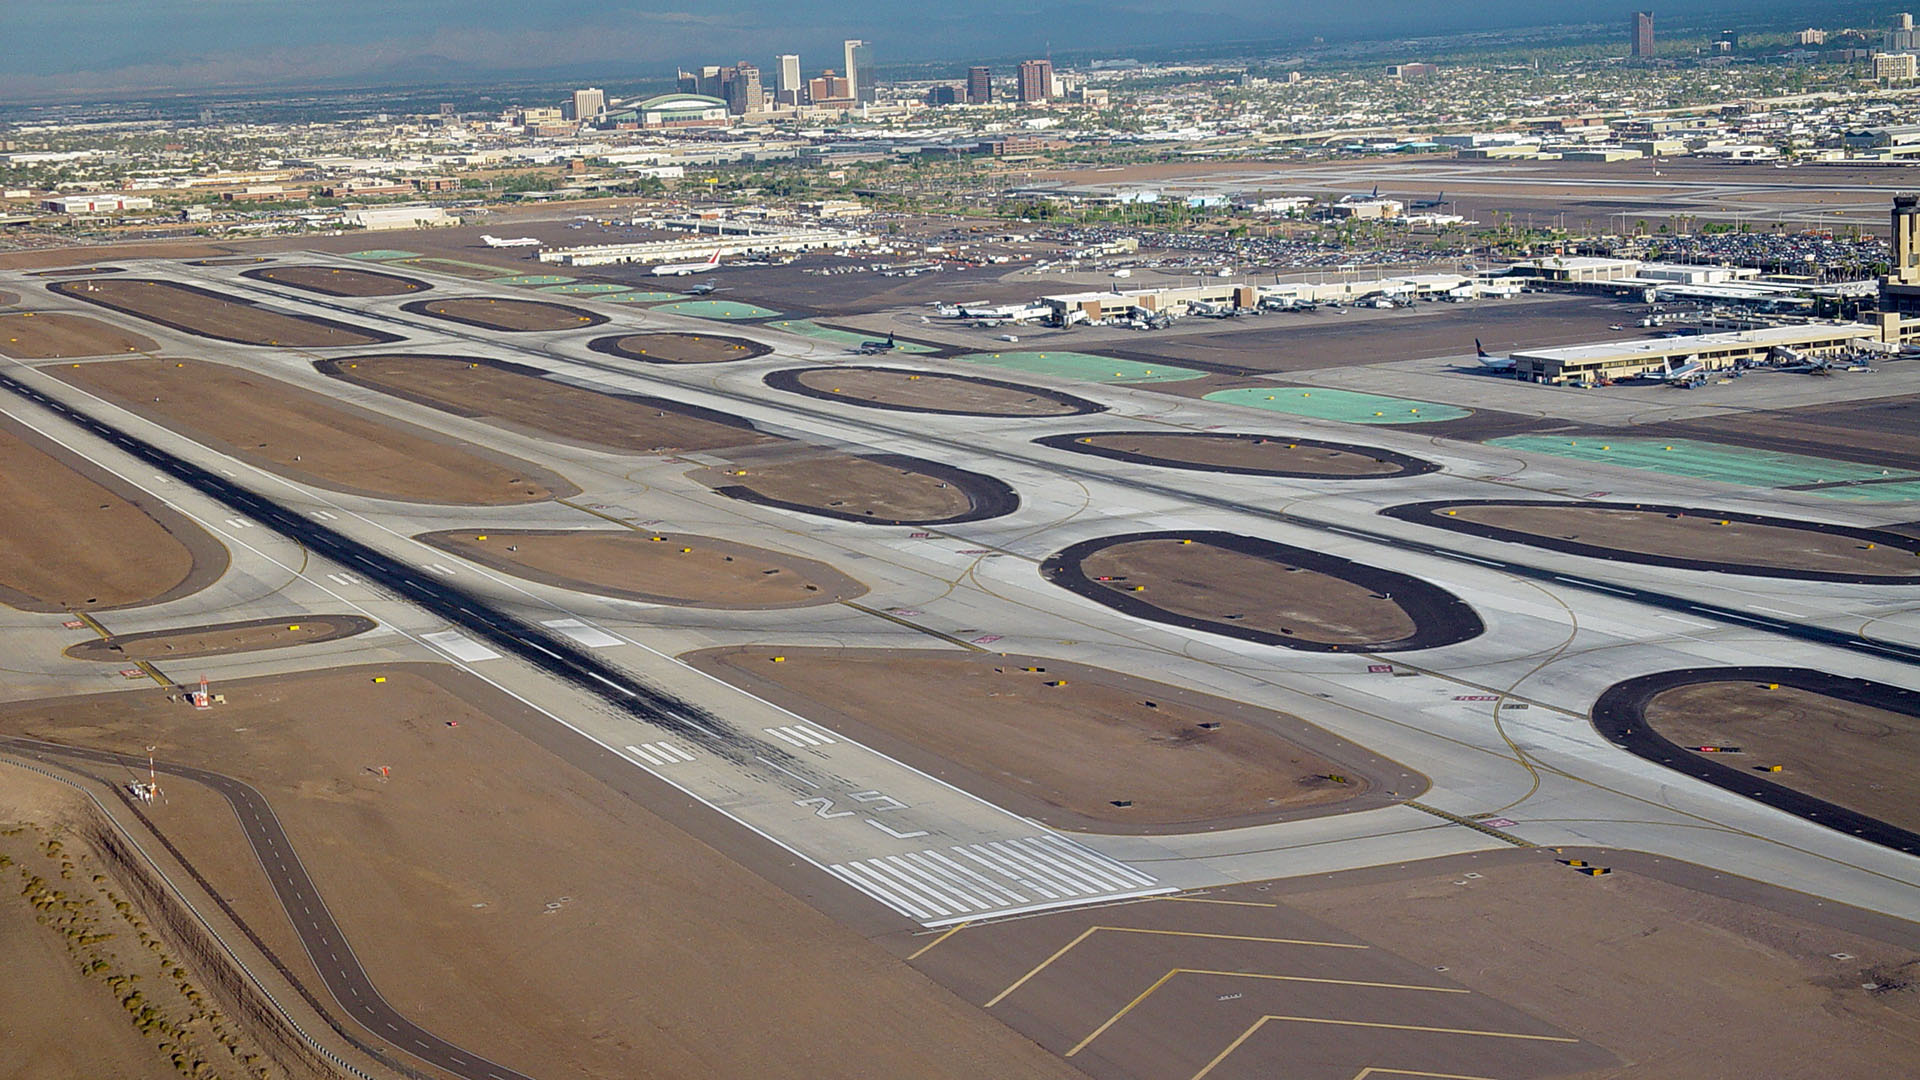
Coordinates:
<point>823,807</point>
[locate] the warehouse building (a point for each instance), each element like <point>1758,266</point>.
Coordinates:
<point>95,204</point>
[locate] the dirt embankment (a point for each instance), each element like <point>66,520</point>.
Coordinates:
<point>107,973</point>
<point>1256,589</point>
<point>680,348</point>
<point>222,639</point>
<point>486,867</point>
<point>339,281</point>
<point>74,537</point>
<point>314,439</point>
<point>1246,454</point>
<point>907,390</point>
<point>1688,537</point>
<point>223,317</point>
<point>504,313</point>
<point>45,335</point>
<point>1851,753</point>
<point>656,568</point>
<point>523,398</point>
<point>880,489</point>
<point>1075,746</point>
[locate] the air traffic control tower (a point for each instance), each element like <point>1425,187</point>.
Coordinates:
<point>1900,289</point>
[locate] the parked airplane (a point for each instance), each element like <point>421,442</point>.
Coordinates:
<point>520,241</point>
<point>1489,361</point>
<point>1434,203</point>
<point>870,348</point>
<point>1685,373</point>
<point>683,269</point>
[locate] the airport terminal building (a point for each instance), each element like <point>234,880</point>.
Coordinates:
<point>1617,360</point>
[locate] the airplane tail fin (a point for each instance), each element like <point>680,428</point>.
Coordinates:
<point>715,261</point>
<point>1479,349</point>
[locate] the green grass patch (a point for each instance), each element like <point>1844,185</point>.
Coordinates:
<point>1347,406</point>
<point>1086,367</point>
<point>1711,461</point>
<point>719,309</point>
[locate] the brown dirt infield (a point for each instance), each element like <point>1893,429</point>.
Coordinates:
<point>312,438</point>
<point>216,315</point>
<point>507,314</point>
<point>222,639</point>
<point>1848,753</point>
<point>75,537</point>
<point>1700,535</point>
<point>656,568</point>
<point>680,348</point>
<point>1063,742</point>
<point>507,887</point>
<point>879,489</point>
<point>1201,581</point>
<point>920,391</point>
<point>44,335</point>
<point>339,281</point>
<point>1242,453</point>
<point>522,398</point>
<point>1684,973</point>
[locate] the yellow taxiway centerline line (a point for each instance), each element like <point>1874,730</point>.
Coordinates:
<point>1092,930</point>
<point>1258,1024</point>
<point>1162,981</point>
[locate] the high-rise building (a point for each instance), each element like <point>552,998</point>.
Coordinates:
<point>1902,37</point>
<point>743,91</point>
<point>859,57</point>
<point>979,86</point>
<point>829,90</point>
<point>1036,80</point>
<point>1811,36</point>
<point>588,104</point>
<point>1643,33</point>
<point>788,87</point>
<point>711,82</point>
<point>943,94</point>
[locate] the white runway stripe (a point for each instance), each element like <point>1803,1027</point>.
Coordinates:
<point>800,735</point>
<point>660,753</point>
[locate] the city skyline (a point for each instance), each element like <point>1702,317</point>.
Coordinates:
<point>187,45</point>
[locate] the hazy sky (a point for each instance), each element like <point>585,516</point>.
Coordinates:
<point>88,46</point>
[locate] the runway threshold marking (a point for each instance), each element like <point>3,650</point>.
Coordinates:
<point>1263,1021</point>
<point>1168,977</point>
<point>1092,930</point>
<point>929,631</point>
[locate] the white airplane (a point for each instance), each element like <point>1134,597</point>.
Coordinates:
<point>683,269</point>
<point>521,241</point>
<point>1685,373</point>
<point>1489,361</point>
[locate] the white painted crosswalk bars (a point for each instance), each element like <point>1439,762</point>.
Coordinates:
<point>997,877</point>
